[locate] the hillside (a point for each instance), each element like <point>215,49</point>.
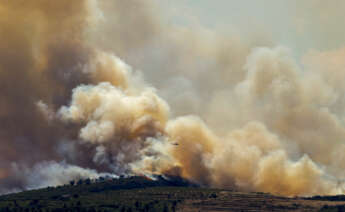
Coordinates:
<point>142,194</point>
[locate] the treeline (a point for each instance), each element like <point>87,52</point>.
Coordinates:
<point>88,181</point>
<point>327,198</point>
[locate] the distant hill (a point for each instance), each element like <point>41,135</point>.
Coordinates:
<point>163,194</point>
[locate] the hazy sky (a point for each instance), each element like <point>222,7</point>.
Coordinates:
<point>300,25</point>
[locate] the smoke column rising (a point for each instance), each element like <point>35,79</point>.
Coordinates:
<point>226,111</point>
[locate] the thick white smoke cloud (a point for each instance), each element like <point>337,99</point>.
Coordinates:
<point>53,174</point>
<point>134,126</point>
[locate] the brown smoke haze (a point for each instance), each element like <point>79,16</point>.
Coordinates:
<point>221,109</point>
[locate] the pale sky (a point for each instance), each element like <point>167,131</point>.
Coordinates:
<point>300,25</point>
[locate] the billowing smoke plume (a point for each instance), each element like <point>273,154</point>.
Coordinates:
<point>225,112</point>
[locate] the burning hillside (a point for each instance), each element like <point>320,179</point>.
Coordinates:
<point>225,112</point>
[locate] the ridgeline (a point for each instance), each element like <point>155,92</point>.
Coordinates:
<point>163,194</point>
